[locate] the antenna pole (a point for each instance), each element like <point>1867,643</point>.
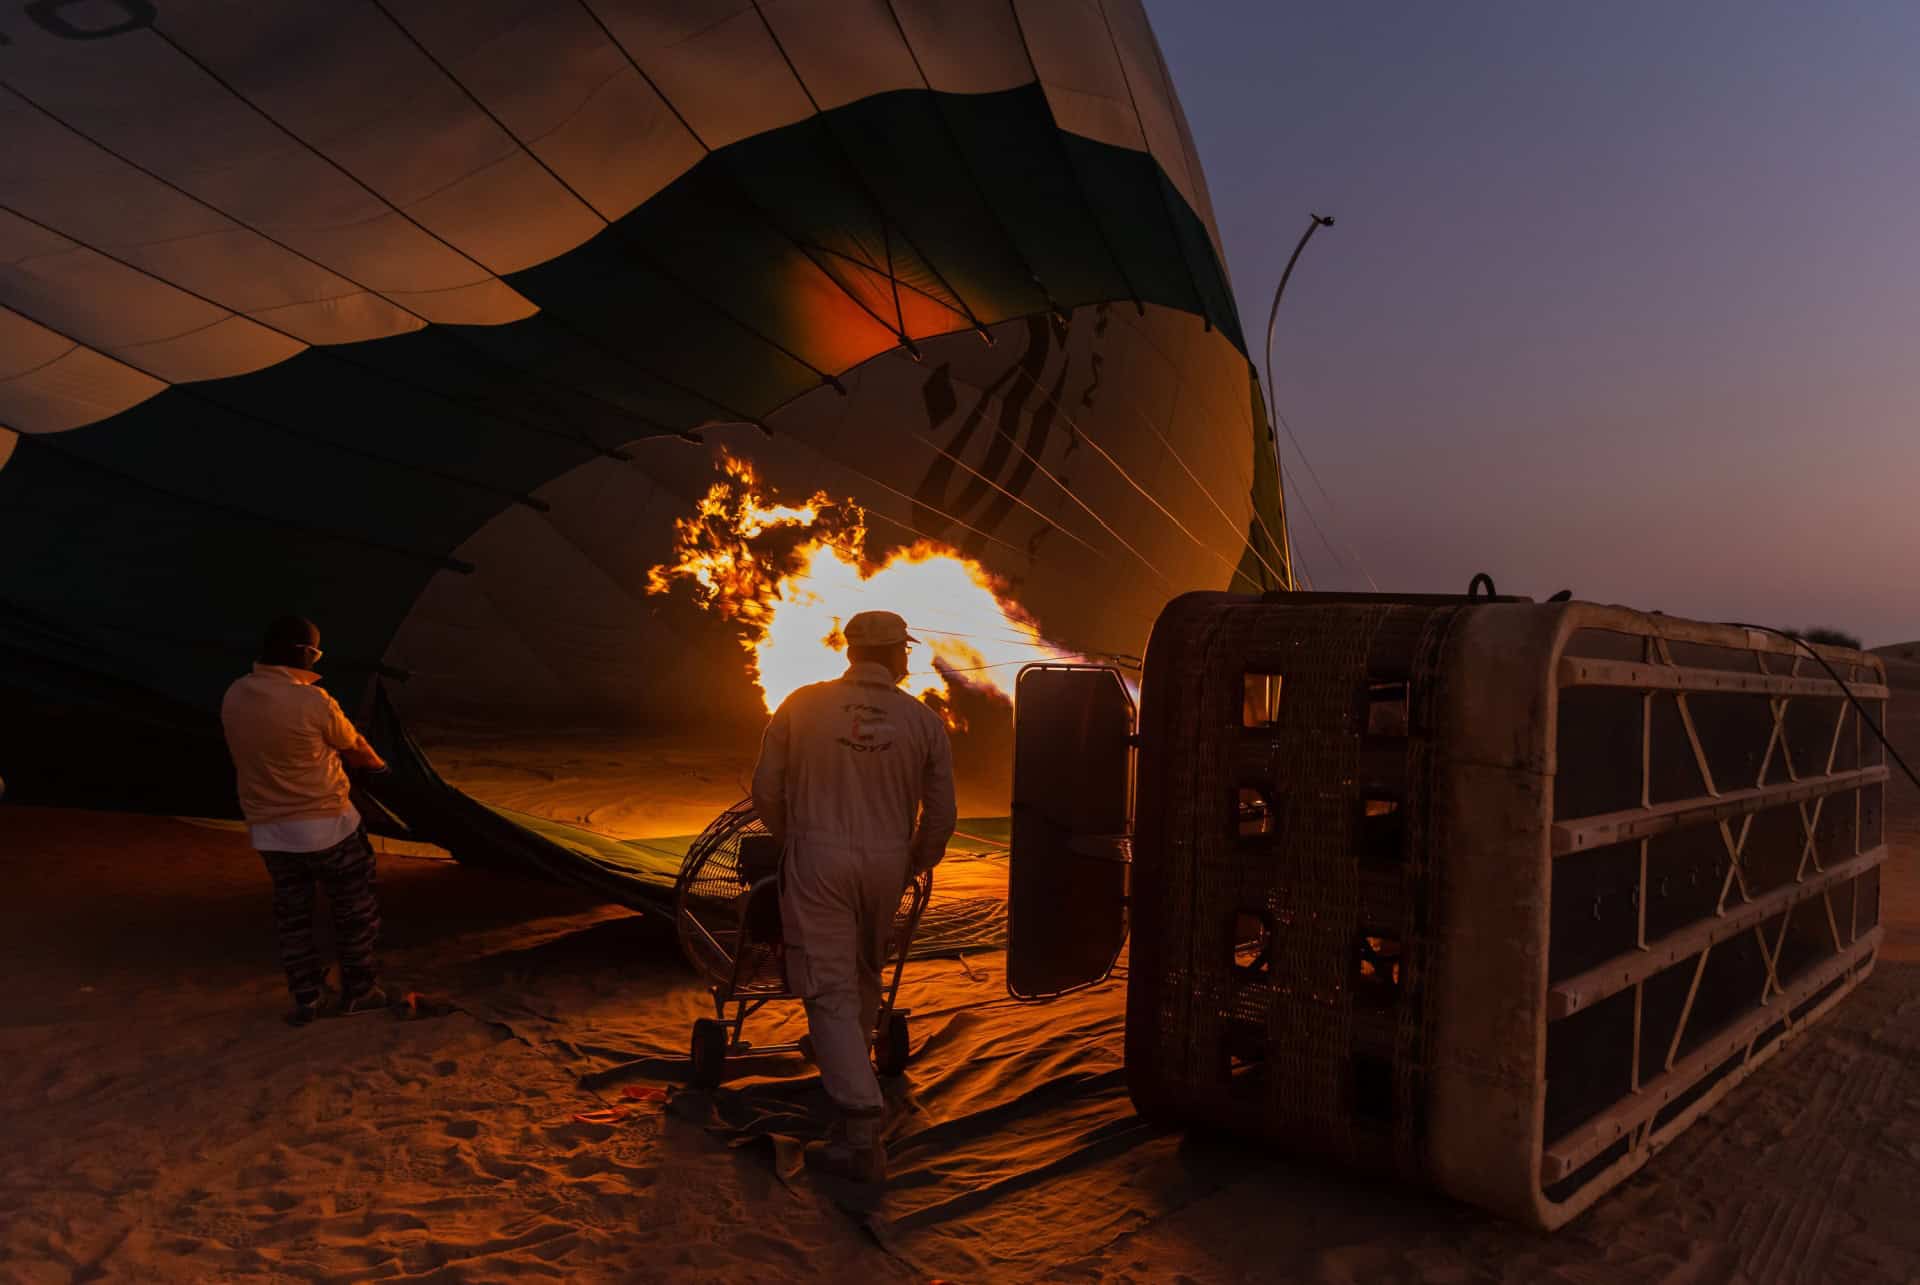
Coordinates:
<point>1317,222</point>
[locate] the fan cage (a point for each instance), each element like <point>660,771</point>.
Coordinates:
<point>712,900</point>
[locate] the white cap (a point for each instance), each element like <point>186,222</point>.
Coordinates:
<point>876,629</point>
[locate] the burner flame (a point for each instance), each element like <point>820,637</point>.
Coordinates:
<point>790,574</point>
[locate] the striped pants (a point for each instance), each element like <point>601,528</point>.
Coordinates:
<point>346,871</point>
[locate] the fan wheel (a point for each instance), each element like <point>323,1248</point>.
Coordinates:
<point>709,1053</point>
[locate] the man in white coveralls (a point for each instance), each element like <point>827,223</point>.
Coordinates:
<point>856,781</point>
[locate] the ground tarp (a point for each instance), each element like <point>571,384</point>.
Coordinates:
<point>412,801</point>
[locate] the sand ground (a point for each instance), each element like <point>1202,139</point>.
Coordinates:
<point>159,1123</point>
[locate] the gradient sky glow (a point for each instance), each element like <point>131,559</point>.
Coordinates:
<point>1623,297</point>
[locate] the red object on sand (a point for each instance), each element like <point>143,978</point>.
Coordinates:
<point>619,1114</point>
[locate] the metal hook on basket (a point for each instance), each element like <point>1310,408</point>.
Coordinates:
<point>1473,588</point>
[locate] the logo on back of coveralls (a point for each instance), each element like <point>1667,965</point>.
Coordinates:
<point>869,730</point>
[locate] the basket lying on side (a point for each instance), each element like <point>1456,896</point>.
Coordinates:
<point>1496,896</point>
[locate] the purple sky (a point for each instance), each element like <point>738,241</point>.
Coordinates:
<point>1623,297</point>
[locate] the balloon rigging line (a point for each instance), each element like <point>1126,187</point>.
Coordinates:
<point>739,190</point>
<point>1160,190</point>
<point>1246,541</point>
<point>1067,415</point>
<point>619,230</point>
<point>80,459</point>
<point>592,342</point>
<point>896,492</point>
<point>444,561</point>
<point>325,353</point>
<point>345,448</point>
<point>1332,505</point>
<point>1083,435</point>
<point>1027,505</point>
<point>1250,482</point>
<point>966,164</point>
<point>589,206</point>
<point>1003,640</point>
<point>1066,162</point>
<point>864,588</point>
<point>837,462</point>
<point>1145,494</point>
<point>879,210</point>
<point>1080,433</point>
<point>331,352</point>
<point>1314,521</point>
<point>320,352</point>
<point>942,670</point>
<point>1066,490</point>
<point>320,155</point>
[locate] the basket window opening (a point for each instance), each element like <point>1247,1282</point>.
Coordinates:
<point>1252,943</point>
<point>1253,812</point>
<point>1382,827</point>
<point>1386,714</point>
<point>1260,699</point>
<point>1376,972</point>
<point>1243,1062</point>
<point>1372,1086</point>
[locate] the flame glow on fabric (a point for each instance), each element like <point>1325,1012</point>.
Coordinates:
<point>790,574</point>
<point>364,313</point>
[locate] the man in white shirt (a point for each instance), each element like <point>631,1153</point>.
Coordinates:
<point>856,780</point>
<point>291,743</point>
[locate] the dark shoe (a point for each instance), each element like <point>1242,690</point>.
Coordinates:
<point>866,1164</point>
<point>373,1000</point>
<point>304,1012</point>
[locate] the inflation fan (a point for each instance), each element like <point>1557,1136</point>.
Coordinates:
<point>727,913</point>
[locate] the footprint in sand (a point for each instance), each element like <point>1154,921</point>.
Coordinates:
<point>579,1131</point>
<point>586,1166</point>
<point>505,1170</point>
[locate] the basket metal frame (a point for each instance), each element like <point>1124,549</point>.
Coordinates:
<point>1477,1062</point>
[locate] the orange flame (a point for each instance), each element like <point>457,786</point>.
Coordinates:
<point>790,574</point>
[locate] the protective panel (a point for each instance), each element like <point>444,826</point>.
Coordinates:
<point>1067,871</point>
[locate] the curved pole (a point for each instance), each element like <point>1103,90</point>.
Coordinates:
<point>1280,476</point>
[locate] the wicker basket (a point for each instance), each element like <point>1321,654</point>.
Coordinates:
<point>1495,896</point>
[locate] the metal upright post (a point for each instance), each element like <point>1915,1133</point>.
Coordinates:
<point>1280,475</point>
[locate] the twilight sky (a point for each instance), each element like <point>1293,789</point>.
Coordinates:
<point>1622,297</point>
